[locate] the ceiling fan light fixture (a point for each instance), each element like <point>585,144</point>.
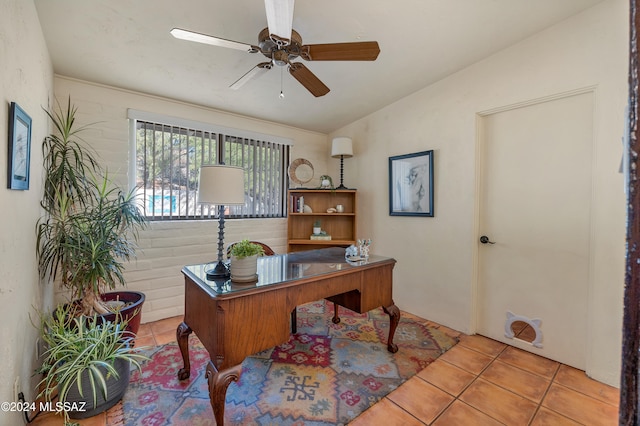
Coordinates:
<point>280,20</point>
<point>280,57</point>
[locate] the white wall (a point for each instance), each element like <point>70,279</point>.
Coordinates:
<point>435,276</point>
<point>27,79</point>
<point>167,247</point>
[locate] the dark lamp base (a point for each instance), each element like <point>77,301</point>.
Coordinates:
<point>220,271</point>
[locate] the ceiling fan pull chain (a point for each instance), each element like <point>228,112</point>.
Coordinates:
<point>281,79</point>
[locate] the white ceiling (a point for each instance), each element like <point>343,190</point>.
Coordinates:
<point>126,43</point>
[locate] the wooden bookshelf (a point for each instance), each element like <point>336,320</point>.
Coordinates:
<point>341,226</point>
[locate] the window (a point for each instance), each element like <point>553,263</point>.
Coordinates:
<point>168,159</point>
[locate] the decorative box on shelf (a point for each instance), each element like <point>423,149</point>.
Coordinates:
<point>320,237</point>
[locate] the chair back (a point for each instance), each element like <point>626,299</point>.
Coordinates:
<point>268,251</point>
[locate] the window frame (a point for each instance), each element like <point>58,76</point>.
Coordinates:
<point>233,145</point>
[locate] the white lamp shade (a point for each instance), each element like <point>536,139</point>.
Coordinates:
<point>222,185</point>
<point>342,147</point>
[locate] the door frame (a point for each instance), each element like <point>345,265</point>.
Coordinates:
<point>479,162</point>
<point>629,383</point>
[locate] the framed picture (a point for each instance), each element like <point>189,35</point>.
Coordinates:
<point>411,184</point>
<point>19,148</point>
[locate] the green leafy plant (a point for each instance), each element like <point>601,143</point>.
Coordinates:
<point>316,224</point>
<point>246,248</point>
<point>77,345</point>
<point>90,226</point>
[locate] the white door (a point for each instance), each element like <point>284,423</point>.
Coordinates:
<point>535,197</point>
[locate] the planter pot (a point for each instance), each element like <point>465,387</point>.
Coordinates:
<point>116,388</point>
<point>244,269</point>
<point>133,310</point>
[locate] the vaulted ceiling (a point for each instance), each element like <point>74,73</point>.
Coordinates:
<point>126,43</point>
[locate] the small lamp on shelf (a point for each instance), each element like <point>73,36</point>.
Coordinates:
<point>220,185</point>
<point>341,148</point>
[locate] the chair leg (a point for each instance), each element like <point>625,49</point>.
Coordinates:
<point>294,320</point>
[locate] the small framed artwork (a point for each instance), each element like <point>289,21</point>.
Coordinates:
<point>411,184</point>
<point>19,148</point>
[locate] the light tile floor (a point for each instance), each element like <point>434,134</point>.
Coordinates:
<point>483,382</point>
<point>478,382</point>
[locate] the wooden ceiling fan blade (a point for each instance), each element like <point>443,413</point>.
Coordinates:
<point>254,72</point>
<point>280,20</point>
<point>308,79</point>
<point>356,51</point>
<point>214,41</point>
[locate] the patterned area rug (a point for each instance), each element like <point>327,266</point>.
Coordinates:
<point>327,374</point>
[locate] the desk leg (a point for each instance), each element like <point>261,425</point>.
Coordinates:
<point>182,336</point>
<point>336,318</point>
<point>294,320</point>
<point>394,319</point>
<point>218,382</point>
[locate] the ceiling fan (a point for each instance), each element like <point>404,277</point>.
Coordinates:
<point>281,44</point>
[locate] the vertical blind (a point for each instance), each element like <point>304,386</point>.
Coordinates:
<point>168,160</point>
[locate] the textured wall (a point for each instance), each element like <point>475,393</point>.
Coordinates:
<point>167,247</point>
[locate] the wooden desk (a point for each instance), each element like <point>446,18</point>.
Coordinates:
<point>235,321</point>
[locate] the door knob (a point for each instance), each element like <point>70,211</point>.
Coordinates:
<point>485,240</point>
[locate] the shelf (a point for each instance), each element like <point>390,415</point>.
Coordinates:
<point>342,226</point>
<point>321,214</point>
<point>328,190</point>
<point>323,242</point>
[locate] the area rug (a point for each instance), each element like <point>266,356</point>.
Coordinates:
<point>326,374</point>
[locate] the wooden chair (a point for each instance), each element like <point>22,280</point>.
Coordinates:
<point>268,251</point>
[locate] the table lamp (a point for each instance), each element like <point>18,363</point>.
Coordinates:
<point>220,185</point>
<point>341,148</point>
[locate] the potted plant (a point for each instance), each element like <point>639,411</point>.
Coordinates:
<point>87,363</point>
<point>244,261</point>
<point>317,229</point>
<point>90,226</point>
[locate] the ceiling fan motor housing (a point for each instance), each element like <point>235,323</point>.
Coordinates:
<point>280,53</point>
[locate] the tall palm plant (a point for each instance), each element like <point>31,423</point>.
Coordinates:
<point>90,226</point>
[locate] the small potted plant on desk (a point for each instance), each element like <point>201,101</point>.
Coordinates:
<point>86,363</point>
<point>244,261</point>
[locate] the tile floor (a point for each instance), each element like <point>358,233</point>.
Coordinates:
<point>483,382</point>
<point>477,382</point>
